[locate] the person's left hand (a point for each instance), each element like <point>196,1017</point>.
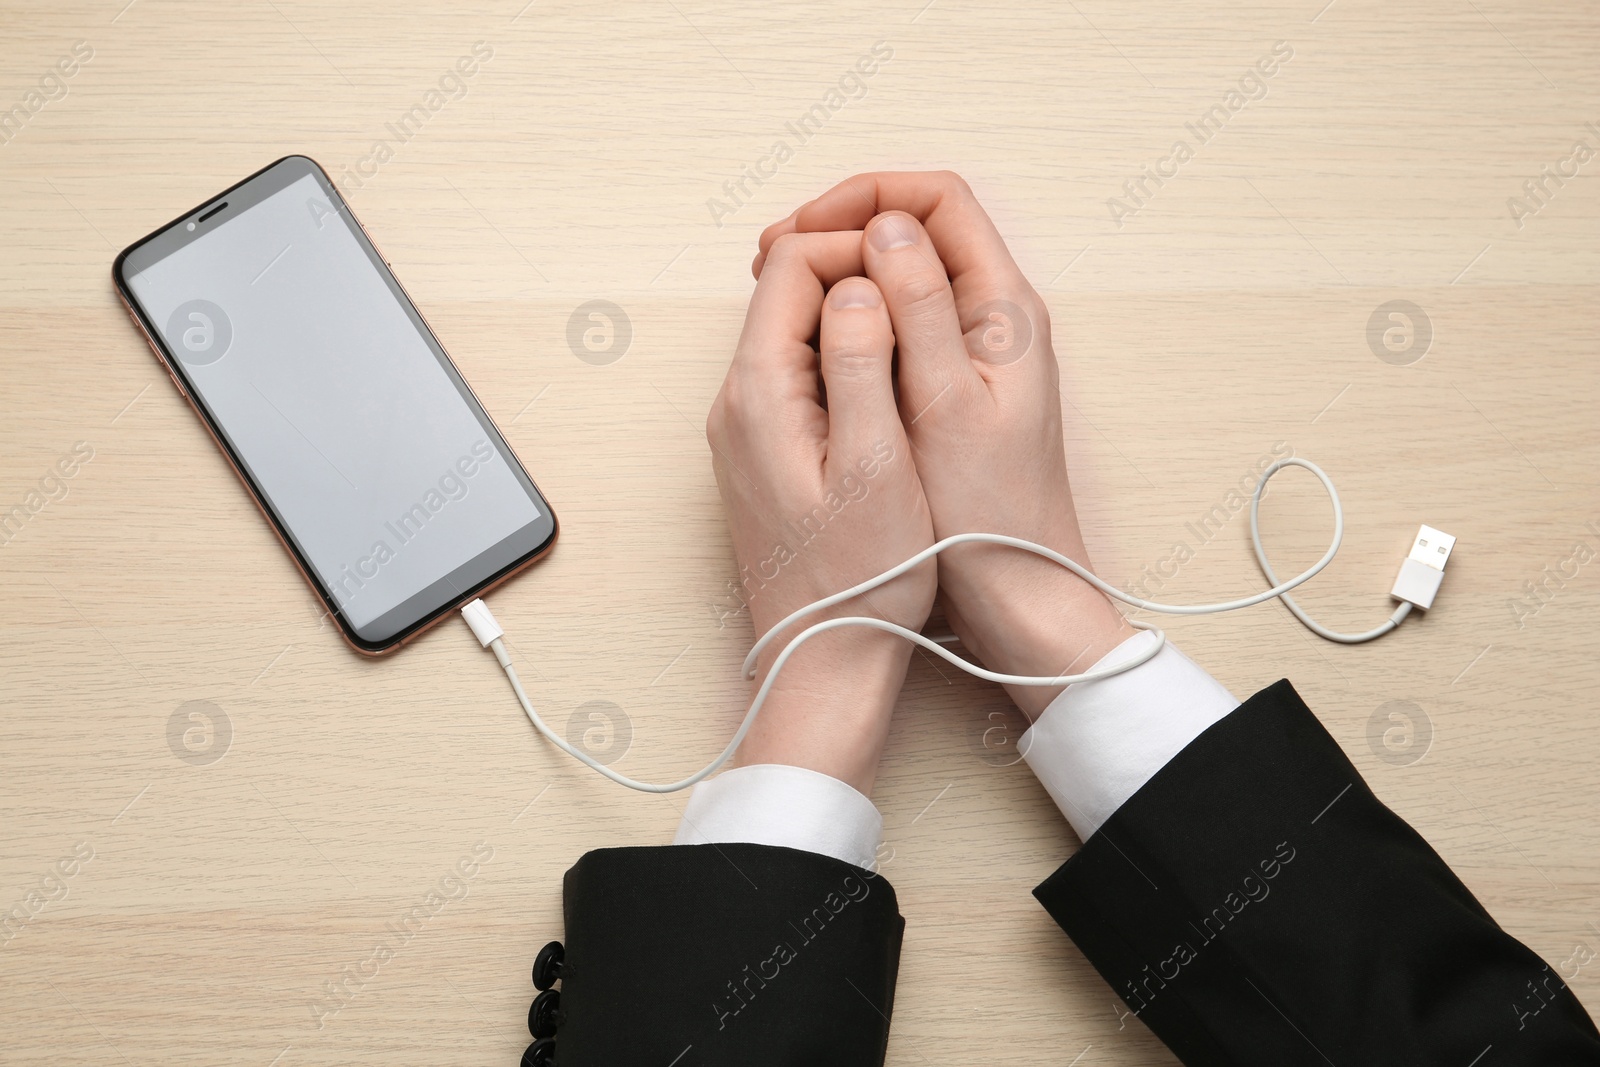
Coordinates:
<point>820,492</point>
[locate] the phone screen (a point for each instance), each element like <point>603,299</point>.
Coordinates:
<point>336,402</point>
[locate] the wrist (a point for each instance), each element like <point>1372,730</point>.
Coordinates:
<point>829,709</point>
<point>1067,641</point>
<point>1041,624</point>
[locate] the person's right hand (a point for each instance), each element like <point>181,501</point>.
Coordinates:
<point>979,395</point>
<point>821,493</point>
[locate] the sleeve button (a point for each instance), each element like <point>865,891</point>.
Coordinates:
<point>544,1013</point>
<point>541,1053</point>
<point>547,966</point>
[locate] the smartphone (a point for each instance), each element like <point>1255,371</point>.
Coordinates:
<point>380,471</point>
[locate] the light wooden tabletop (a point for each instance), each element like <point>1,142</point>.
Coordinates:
<point>214,811</point>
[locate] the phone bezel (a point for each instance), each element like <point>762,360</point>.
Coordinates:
<point>298,166</point>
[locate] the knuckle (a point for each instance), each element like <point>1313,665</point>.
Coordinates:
<point>919,292</point>
<point>1040,312</point>
<point>730,408</point>
<point>740,399</point>
<point>787,248</point>
<point>855,350</point>
<point>716,418</point>
<point>954,183</point>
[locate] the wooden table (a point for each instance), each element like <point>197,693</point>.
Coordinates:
<point>249,848</point>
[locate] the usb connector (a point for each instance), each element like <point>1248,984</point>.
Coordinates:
<point>484,625</point>
<point>1423,569</point>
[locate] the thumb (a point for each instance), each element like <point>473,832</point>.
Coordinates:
<point>857,349</point>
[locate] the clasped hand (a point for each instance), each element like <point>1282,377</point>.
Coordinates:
<point>894,384</point>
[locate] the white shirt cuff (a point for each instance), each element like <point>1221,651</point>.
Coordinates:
<point>774,804</point>
<point>1099,742</point>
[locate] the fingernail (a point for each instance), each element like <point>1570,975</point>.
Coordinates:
<point>854,293</point>
<point>891,231</point>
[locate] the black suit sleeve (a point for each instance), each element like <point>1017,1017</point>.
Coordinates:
<point>736,954</point>
<point>1254,903</point>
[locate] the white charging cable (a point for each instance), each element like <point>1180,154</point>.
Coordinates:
<point>1416,586</point>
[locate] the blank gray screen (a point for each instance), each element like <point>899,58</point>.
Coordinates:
<point>337,405</point>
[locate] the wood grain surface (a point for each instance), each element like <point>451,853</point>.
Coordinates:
<point>244,863</point>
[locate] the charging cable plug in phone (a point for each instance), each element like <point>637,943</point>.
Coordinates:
<point>486,628</point>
